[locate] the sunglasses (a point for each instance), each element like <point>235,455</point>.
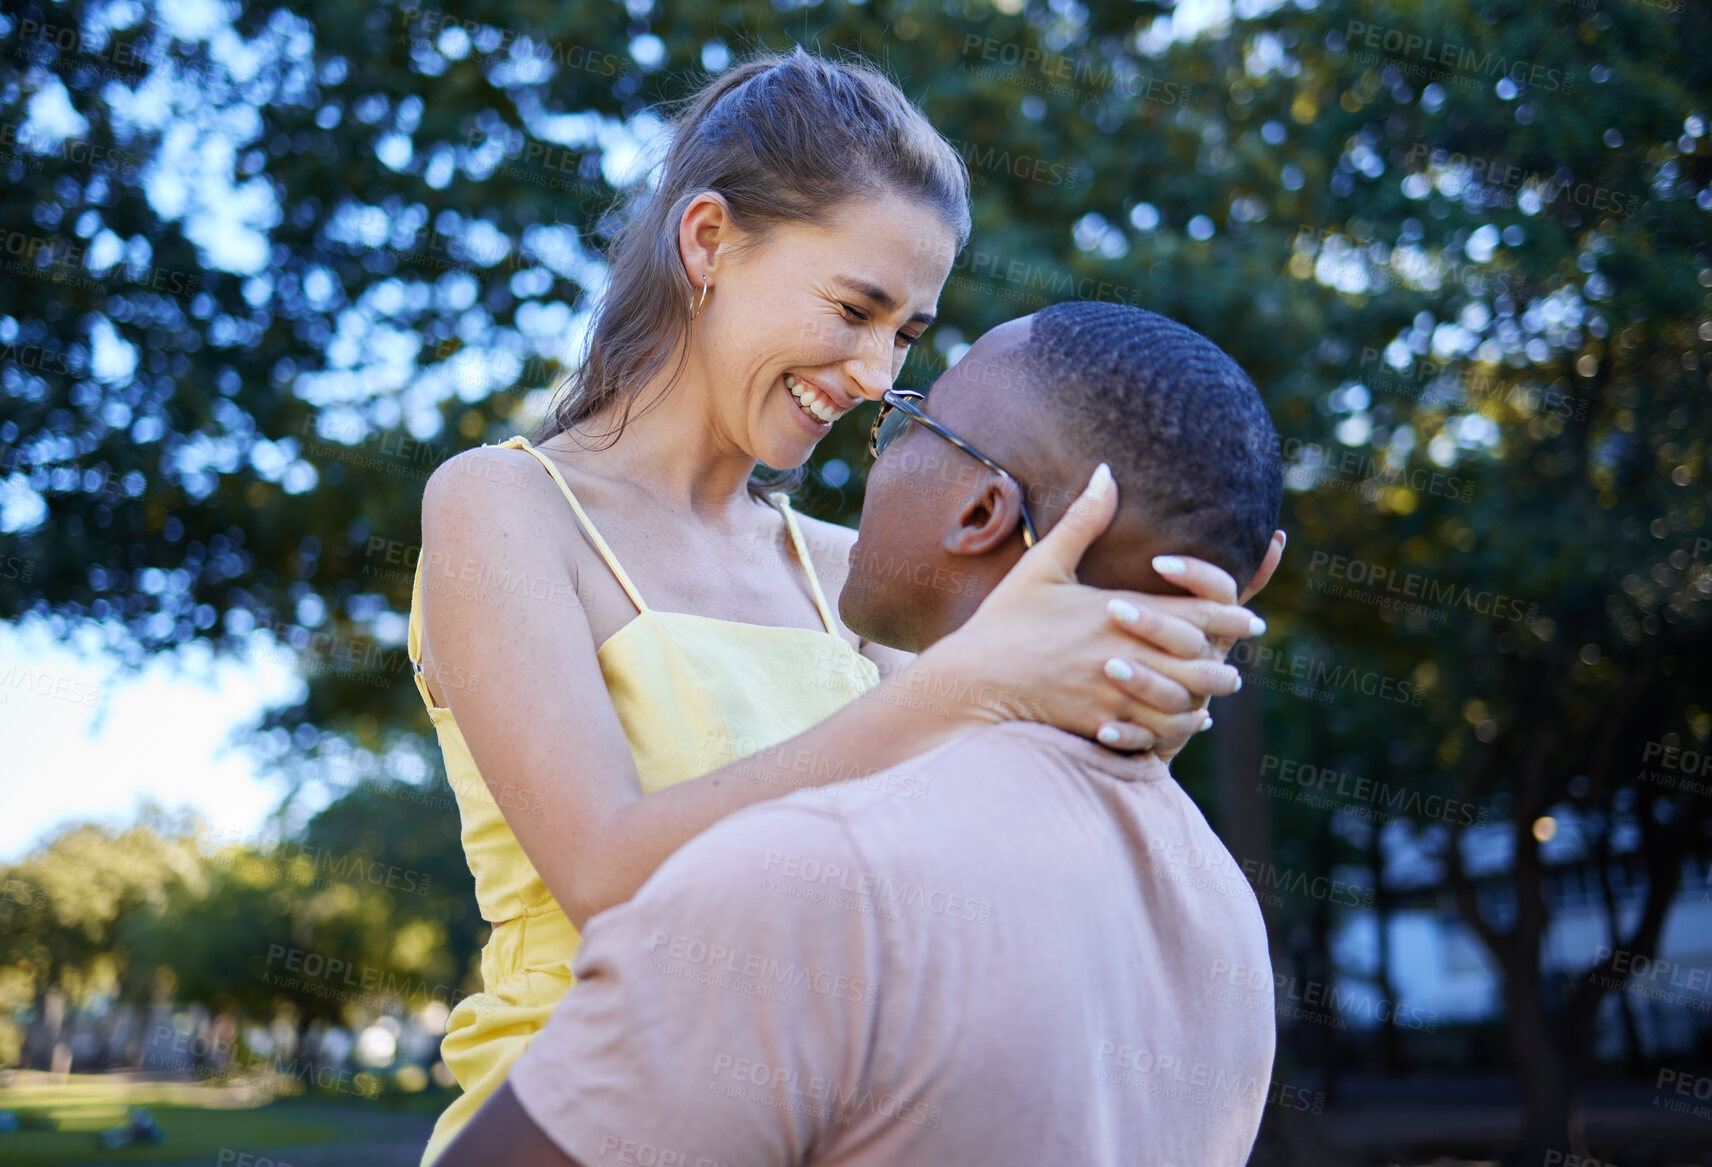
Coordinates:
<point>898,407</point>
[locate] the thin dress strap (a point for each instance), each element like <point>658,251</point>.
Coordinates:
<point>522,443</point>
<point>413,637</point>
<point>784,502</point>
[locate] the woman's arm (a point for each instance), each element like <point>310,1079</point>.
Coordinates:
<point>1163,683</point>
<point>538,720</point>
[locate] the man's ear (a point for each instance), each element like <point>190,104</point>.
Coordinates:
<point>1268,565</point>
<point>989,519</point>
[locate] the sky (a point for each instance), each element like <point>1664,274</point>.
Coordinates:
<point>82,741</point>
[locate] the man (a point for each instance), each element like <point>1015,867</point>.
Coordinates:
<point>1017,948</point>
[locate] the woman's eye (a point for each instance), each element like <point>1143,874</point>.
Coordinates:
<point>862,318</point>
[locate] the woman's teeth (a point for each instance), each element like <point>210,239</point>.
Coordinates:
<point>813,402</point>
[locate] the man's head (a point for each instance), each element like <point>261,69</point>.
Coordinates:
<point>1049,397</point>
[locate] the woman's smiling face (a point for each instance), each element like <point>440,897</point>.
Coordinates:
<point>801,328</point>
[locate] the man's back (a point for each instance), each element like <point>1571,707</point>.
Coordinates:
<point>997,952</point>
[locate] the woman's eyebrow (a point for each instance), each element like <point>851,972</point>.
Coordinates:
<point>883,298</point>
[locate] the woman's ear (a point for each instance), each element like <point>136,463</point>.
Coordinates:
<point>706,226</point>
<point>989,519</point>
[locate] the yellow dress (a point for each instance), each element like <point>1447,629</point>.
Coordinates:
<point>693,693</point>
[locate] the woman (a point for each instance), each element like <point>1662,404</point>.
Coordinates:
<point>612,609</point>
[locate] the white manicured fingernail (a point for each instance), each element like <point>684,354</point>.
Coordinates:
<point>1206,725</point>
<point>1123,611</point>
<point>1119,670</point>
<point>1256,626</point>
<point>1101,482</point>
<point>1169,565</point>
<point>1109,735</point>
<point>1238,688</point>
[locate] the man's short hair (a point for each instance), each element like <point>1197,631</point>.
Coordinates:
<point>1184,430</point>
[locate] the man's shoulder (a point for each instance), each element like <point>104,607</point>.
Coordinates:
<point>1005,764</point>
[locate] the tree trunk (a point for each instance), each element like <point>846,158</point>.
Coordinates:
<point>1244,814</point>
<point>1330,1049</point>
<point>1551,1119</point>
<point>1390,1038</point>
<point>42,1038</point>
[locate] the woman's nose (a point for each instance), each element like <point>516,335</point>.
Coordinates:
<point>871,374</point>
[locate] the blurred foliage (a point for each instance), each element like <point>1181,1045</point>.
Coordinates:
<point>337,923</point>
<point>1462,249</point>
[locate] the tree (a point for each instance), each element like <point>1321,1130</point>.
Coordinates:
<point>1462,250</point>
<point>64,911</point>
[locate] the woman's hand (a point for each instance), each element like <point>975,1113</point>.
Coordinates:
<point>1128,669</point>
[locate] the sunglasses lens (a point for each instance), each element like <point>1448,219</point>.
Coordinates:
<point>891,426</point>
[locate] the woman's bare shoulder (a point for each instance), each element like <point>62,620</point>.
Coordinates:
<point>499,504</point>
<point>488,475</point>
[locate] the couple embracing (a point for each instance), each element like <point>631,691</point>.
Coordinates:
<point>977,925</point>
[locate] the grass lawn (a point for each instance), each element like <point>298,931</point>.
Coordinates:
<point>61,1116</point>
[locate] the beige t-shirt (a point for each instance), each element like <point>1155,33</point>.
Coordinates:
<point>998,952</point>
